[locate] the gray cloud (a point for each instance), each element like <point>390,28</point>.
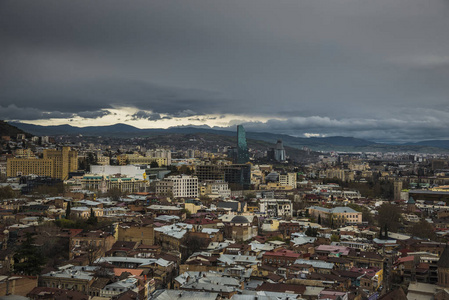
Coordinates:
<point>93,114</point>
<point>335,67</point>
<point>146,115</point>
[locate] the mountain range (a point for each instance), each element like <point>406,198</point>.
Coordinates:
<point>334,143</point>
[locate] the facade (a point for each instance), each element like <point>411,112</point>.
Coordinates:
<point>67,279</point>
<point>278,152</point>
<point>209,172</point>
<point>133,159</point>
<point>55,164</point>
<point>136,232</point>
<point>288,179</point>
<point>181,186</point>
<point>160,153</point>
<point>105,183</point>
<point>107,170</point>
<point>276,208</point>
<point>238,174</point>
<point>242,146</point>
<point>216,189</point>
<point>337,215</point>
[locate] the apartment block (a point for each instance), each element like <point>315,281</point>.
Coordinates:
<point>55,164</point>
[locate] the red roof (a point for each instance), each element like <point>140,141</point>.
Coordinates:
<point>283,253</point>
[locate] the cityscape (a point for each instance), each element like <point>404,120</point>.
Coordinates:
<point>213,150</point>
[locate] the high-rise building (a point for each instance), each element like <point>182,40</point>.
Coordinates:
<point>278,152</point>
<point>65,161</point>
<point>55,164</point>
<point>242,146</point>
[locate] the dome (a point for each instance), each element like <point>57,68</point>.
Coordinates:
<point>239,219</point>
<point>273,176</point>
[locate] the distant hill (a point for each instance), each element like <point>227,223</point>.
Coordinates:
<point>335,143</point>
<point>6,129</point>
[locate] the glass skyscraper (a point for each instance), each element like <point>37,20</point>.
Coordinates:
<point>242,146</point>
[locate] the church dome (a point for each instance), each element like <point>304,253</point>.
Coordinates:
<point>239,220</point>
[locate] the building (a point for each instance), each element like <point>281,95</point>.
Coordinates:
<point>209,172</point>
<point>443,268</point>
<point>160,153</point>
<point>238,175</point>
<point>276,208</point>
<point>105,183</point>
<point>397,189</point>
<point>288,179</point>
<point>337,215</point>
<point>128,171</point>
<point>215,189</point>
<point>277,153</point>
<point>242,146</point>
<point>240,228</point>
<point>68,279</point>
<point>135,159</point>
<point>181,186</point>
<point>55,164</point>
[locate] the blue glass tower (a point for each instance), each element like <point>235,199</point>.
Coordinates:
<point>242,146</point>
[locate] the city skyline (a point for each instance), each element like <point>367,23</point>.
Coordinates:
<point>373,70</point>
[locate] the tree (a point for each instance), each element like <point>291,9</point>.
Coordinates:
<point>28,259</point>
<point>319,219</point>
<point>423,229</point>
<point>386,231</point>
<point>6,192</point>
<point>311,231</point>
<point>389,215</point>
<point>114,194</point>
<point>154,164</point>
<point>92,220</point>
<point>335,238</point>
<point>68,210</point>
<point>381,236</point>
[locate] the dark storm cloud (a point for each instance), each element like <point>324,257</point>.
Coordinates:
<point>93,114</point>
<point>146,115</point>
<point>360,67</point>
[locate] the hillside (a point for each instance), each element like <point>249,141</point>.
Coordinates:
<point>7,129</point>
<point>335,143</point>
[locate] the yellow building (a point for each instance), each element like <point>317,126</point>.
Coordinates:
<point>55,164</point>
<point>64,161</point>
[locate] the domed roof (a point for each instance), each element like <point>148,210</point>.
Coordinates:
<point>239,219</point>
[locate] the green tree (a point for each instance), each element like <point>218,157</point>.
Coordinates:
<point>92,220</point>
<point>335,238</point>
<point>319,219</point>
<point>6,192</point>
<point>154,164</point>
<point>68,210</point>
<point>28,259</point>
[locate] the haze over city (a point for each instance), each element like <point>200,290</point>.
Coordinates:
<point>369,69</point>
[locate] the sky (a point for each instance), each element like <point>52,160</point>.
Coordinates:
<point>377,70</point>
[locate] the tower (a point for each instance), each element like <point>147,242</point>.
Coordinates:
<point>397,189</point>
<point>411,205</point>
<point>242,147</point>
<point>443,268</point>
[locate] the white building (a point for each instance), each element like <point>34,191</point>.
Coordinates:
<point>288,179</point>
<point>184,186</point>
<point>127,171</point>
<point>276,207</point>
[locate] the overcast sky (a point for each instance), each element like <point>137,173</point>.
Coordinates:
<point>371,69</point>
